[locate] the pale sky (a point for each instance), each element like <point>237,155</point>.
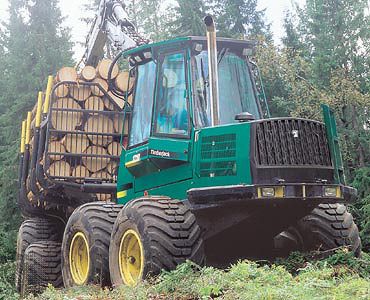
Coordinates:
<point>73,11</point>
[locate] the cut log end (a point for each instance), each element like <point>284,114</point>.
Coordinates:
<point>80,92</point>
<point>99,124</point>
<point>60,168</point>
<point>103,69</point>
<point>56,147</point>
<point>99,90</point>
<point>95,162</point>
<point>75,143</point>
<point>67,74</point>
<point>88,73</point>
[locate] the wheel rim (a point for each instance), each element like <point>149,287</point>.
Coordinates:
<point>131,258</point>
<point>79,258</point>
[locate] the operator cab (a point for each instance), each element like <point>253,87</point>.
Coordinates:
<point>171,94</point>
<point>171,106</point>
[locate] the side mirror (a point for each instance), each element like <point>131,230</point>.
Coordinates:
<point>244,117</point>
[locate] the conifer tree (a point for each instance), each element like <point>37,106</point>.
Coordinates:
<point>240,18</point>
<point>292,38</point>
<point>32,49</point>
<point>189,17</point>
<point>337,34</point>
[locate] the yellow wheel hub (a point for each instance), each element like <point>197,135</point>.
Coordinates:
<point>79,258</point>
<point>131,258</point>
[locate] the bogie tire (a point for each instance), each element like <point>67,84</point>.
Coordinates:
<point>168,232</point>
<point>93,221</point>
<point>327,227</point>
<point>32,231</point>
<point>42,267</point>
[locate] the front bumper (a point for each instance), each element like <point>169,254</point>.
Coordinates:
<point>294,193</point>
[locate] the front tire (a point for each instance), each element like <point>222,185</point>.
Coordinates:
<point>327,227</point>
<point>85,246</point>
<point>151,234</point>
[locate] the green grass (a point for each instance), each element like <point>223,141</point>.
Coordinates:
<point>338,277</point>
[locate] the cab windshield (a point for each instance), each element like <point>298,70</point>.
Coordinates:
<point>236,93</point>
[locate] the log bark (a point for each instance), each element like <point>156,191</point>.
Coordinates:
<point>67,74</point>
<point>103,69</point>
<point>66,120</point>
<point>88,73</point>
<point>75,143</point>
<point>80,92</point>
<point>95,163</point>
<point>56,146</point>
<point>96,90</point>
<point>99,124</point>
<point>60,168</point>
<point>94,103</point>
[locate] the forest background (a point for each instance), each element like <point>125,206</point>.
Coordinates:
<point>324,57</point>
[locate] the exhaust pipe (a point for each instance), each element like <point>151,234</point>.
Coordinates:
<point>213,69</point>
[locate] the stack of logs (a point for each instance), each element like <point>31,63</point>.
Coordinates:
<point>89,135</point>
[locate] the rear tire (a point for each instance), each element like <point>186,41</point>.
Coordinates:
<point>85,246</point>
<point>42,266</point>
<point>32,231</point>
<point>164,233</point>
<point>327,227</point>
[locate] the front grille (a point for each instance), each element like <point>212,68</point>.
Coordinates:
<point>218,155</point>
<point>290,142</point>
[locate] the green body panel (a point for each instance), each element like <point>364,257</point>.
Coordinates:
<point>333,139</point>
<point>211,156</point>
<point>214,156</point>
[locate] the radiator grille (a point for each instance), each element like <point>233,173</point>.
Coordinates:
<point>218,155</point>
<point>291,142</point>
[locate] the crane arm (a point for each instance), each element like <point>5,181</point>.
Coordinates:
<point>113,28</point>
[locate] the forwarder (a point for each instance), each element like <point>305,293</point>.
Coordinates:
<point>204,174</point>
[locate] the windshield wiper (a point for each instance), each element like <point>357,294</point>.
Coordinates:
<point>222,54</point>
<point>205,82</point>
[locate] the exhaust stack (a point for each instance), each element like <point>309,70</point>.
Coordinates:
<point>213,69</point>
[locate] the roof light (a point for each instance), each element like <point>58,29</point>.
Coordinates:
<point>138,58</point>
<point>148,55</point>
<point>247,52</point>
<point>198,47</point>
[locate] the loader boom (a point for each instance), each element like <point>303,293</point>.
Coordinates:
<point>111,28</point>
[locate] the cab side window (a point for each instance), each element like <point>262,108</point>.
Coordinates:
<point>171,114</point>
<point>143,102</point>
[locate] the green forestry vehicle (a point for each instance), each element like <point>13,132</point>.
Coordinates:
<point>203,175</point>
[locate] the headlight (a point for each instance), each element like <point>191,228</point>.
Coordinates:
<point>331,191</point>
<point>268,192</point>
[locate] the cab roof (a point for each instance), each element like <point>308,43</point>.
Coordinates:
<point>180,42</point>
